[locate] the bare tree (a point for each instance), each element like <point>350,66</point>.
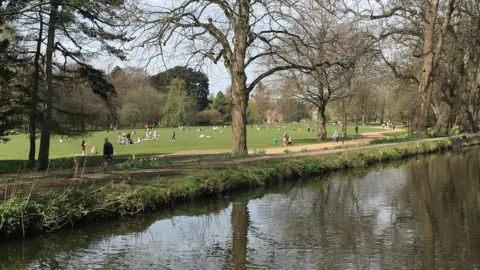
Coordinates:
<point>335,40</point>
<point>240,33</point>
<point>418,24</point>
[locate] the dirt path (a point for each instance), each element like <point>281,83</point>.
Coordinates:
<point>66,177</point>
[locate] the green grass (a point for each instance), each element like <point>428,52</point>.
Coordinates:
<point>404,138</point>
<point>18,146</point>
<point>396,133</point>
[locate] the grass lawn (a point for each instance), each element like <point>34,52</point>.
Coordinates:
<point>18,146</point>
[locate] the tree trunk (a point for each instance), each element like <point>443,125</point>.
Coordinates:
<point>321,125</point>
<point>239,114</point>
<point>43,154</point>
<point>444,109</point>
<point>240,223</point>
<point>419,124</point>
<point>34,97</point>
<point>472,125</point>
<point>240,93</point>
<point>444,116</point>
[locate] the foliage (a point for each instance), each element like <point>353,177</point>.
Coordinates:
<point>253,116</point>
<point>454,130</point>
<point>405,138</point>
<point>144,163</point>
<point>222,105</point>
<point>262,98</point>
<point>196,83</point>
<point>259,152</point>
<point>208,117</point>
<point>179,108</point>
<point>11,97</point>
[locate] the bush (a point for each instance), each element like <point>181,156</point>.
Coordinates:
<point>208,117</point>
<point>259,152</point>
<point>454,131</point>
<point>143,163</point>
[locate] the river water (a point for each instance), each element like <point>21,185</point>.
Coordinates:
<point>423,213</point>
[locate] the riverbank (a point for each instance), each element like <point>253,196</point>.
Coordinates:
<point>27,212</point>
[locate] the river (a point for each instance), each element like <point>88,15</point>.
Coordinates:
<point>423,213</point>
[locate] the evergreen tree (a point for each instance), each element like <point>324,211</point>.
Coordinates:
<point>196,84</point>
<point>222,105</point>
<point>179,108</point>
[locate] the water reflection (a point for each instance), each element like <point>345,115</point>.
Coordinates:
<point>423,214</point>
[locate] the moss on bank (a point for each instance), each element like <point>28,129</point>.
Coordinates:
<point>26,214</point>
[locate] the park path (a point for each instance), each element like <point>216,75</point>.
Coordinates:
<point>102,177</point>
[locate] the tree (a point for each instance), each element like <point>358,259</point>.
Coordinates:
<point>325,84</point>
<point>10,96</point>
<point>289,105</point>
<point>137,101</point>
<point>415,24</point>
<point>222,105</point>
<point>80,22</point>
<point>196,82</point>
<point>253,115</point>
<point>179,108</point>
<point>231,32</point>
<point>263,100</point>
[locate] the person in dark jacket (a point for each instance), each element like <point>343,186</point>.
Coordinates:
<point>107,154</point>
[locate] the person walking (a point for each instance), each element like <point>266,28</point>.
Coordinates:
<point>82,147</point>
<point>356,130</point>
<point>107,154</point>
<point>173,136</point>
<point>335,136</point>
<point>343,136</point>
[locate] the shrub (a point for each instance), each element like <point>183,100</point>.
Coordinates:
<point>208,117</point>
<point>259,152</point>
<point>143,163</point>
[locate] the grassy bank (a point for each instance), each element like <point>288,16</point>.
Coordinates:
<point>27,213</point>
